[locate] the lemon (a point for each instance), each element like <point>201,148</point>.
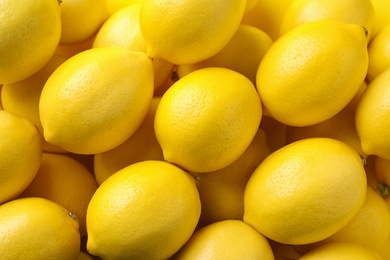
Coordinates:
<point>379,53</point>
<point>81,19</point>
<point>84,256</point>
<point>65,181</point>
<point>37,228</point>
<point>382,13</point>
<point>147,210</point>
<point>341,250</point>
<point>384,251</point>
<point>185,32</point>
<point>116,5</point>
<point>22,98</point>
<point>285,198</point>
<point>141,146</point>
<point>372,117</point>
<point>349,11</point>
<point>311,73</point>
<point>122,30</point>
<point>222,192</point>
<point>267,16</point>
<point>229,239</point>
<point>250,4</point>
<point>207,119</point>
<point>21,152</point>
<point>28,40</point>
<point>341,127</point>
<point>88,107</point>
<point>369,228</point>
<point>248,43</point>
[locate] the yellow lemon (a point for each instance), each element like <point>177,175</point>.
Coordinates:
<point>122,30</point>
<point>248,44</point>
<point>341,250</point>
<point>21,152</point>
<point>37,228</point>
<point>141,146</point>
<point>285,198</point>
<point>379,53</point>
<point>84,256</point>
<point>384,251</point>
<point>147,210</point>
<point>311,73</point>
<point>222,192</point>
<point>88,107</point>
<point>373,118</point>
<point>69,50</point>
<point>185,32</point>
<point>207,119</point>
<point>30,32</point>
<point>229,239</point>
<point>267,16</point>
<point>250,4</point>
<point>65,181</point>
<point>382,13</point>
<point>81,19</point>
<point>22,98</point>
<point>341,127</point>
<point>369,228</point>
<point>115,5</point>
<point>349,11</point>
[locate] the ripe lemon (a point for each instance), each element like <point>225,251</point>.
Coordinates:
<point>116,5</point>
<point>348,11</point>
<point>267,16</point>
<point>379,53</point>
<point>207,119</point>
<point>222,192</point>
<point>373,118</point>
<point>341,250</point>
<point>37,228</point>
<point>65,181</point>
<point>382,13</point>
<point>285,198</point>
<point>229,239</point>
<point>248,44</point>
<point>250,4</point>
<point>22,98</point>
<point>307,76</point>
<point>30,32</point>
<point>21,152</point>
<point>369,228</point>
<point>88,107</point>
<point>185,32</point>
<point>81,19</point>
<point>147,210</point>
<point>122,30</point>
<point>141,146</point>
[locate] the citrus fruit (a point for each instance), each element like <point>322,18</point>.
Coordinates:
<point>382,13</point>
<point>379,53</point>
<point>359,12</point>
<point>228,239</point>
<point>147,210</point>
<point>81,19</point>
<point>285,198</point>
<point>372,117</point>
<point>141,146</point>
<point>307,76</point>
<point>21,152</point>
<point>222,192</point>
<point>248,43</point>
<point>341,250</point>
<point>28,40</point>
<point>207,119</point>
<point>122,30</point>
<point>185,32</point>
<point>267,16</point>
<point>22,98</point>
<point>37,228</point>
<point>87,107</point>
<point>65,181</point>
<point>116,5</point>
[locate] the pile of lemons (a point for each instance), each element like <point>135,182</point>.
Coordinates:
<point>195,129</point>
